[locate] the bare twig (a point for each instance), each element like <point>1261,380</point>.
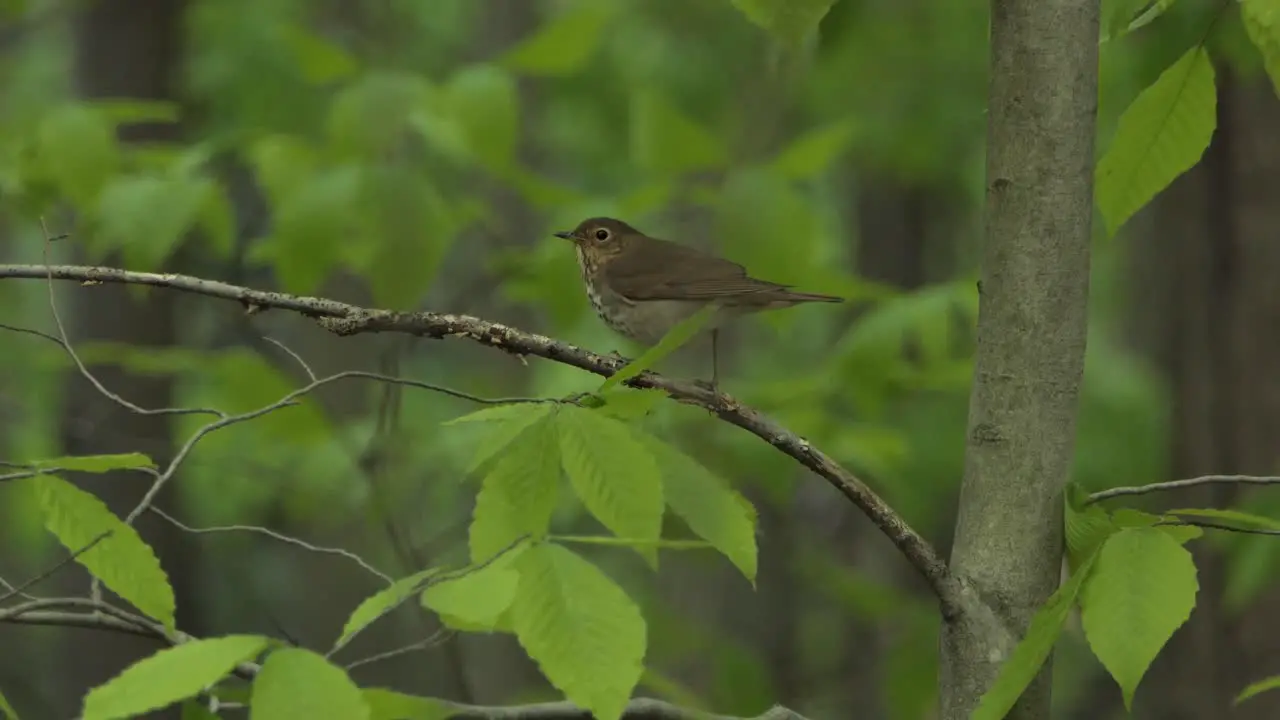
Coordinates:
<point>311,374</point>
<point>276,536</point>
<point>344,319</point>
<point>1210,525</point>
<point>21,589</point>
<point>1185,483</point>
<point>435,639</point>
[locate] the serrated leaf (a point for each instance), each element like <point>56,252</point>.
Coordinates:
<point>509,421</point>
<point>614,474</point>
<point>1024,663</point>
<point>121,560</point>
<point>562,45</point>
<point>1259,687</point>
<point>97,463</point>
<point>788,20</point>
<point>477,598</point>
<point>586,635</point>
<point>1161,135</point>
<point>296,683</point>
<point>381,602</point>
<point>1142,589</point>
<point>1087,526</point>
<point>814,151</point>
<point>482,99</point>
<point>7,709</point>
<point>665,141</point>
<point>711,509</point>
<point>1261,19</point>
<point>519,494</point>
<point>1231,516</point>
<point>391,705</point>
<point>675,337</point>
<point>170,675</point>
<point>79,151</point>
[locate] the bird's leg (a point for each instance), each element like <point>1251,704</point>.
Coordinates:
<point>714,385</point>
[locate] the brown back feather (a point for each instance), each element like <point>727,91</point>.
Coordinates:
<point>663,270</point>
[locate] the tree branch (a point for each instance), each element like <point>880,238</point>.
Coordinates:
<point>344,319</point>
<point>1184,483</point>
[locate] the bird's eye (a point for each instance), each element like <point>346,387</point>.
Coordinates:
<point>602,234</point>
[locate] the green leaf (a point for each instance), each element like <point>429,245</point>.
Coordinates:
<point>169,676</point>
<point>147,216</point>
<point>297,683</point>
<point>509,421</point>
<point>475,599</point>
<point>77,147</point>
<point>1261,19</point>
<point>312,225</point>
<point>813,152</point>
<point>564,44</point>
<point>97,463</point>
<point>711,509</point>
<point>664,141</point>
<point>1028,657</point>
<point>405,224</point>
<point>614,474</point>
<point>194,710</point>
<point>629,403</point>
<point>1121,17</point>
<point>391,705</point>
<point>1160,136</point>
<point>483,101</point>
<point>585,633</point>
<point>675,337</point>
<point>6,709</point>
<point>136,110</point>
<point>320,60</point>
<point>381,602</point>
<point>788,20</point>
<point>1259,687</point>
<point>519,494</point>
<point>281,164</point>
<point>372,118</point>
<point>1142,589</point>
<point>121,560</point>
<point>1230,516</point>
<point>1087,526</point>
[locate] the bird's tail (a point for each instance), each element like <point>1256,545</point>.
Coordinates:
<point>812,297</point>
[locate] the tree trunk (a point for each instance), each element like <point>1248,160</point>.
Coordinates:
<point>1031,335</point>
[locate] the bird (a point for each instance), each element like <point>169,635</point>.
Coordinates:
<point>642,286</point>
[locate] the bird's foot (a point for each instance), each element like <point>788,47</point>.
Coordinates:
<point>617,356</point>
<point>709,385</point>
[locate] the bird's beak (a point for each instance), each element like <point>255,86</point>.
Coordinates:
<point>566,234</point>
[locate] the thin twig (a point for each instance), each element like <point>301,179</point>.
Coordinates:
<point>436,638</point>
<point>1210,525</point>
<point>276,536</point>
<point>1185,483</point>
<point>311,374</point>
<point>20,590</point>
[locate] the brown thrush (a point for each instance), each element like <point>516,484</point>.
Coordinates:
<point>642,286</point>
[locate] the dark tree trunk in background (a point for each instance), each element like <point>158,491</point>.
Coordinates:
<point>123,50</point>
<point>1206,308</point>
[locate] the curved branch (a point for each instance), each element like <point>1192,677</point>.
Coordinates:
<point>343,319</point>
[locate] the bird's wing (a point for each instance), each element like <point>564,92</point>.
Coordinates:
<point>664,270</point>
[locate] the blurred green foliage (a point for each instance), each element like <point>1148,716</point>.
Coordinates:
<point>411,151</point>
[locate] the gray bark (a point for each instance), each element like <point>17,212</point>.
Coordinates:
<point>1031,335</point>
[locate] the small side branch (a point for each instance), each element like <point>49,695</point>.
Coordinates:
<point>1184,483</point>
